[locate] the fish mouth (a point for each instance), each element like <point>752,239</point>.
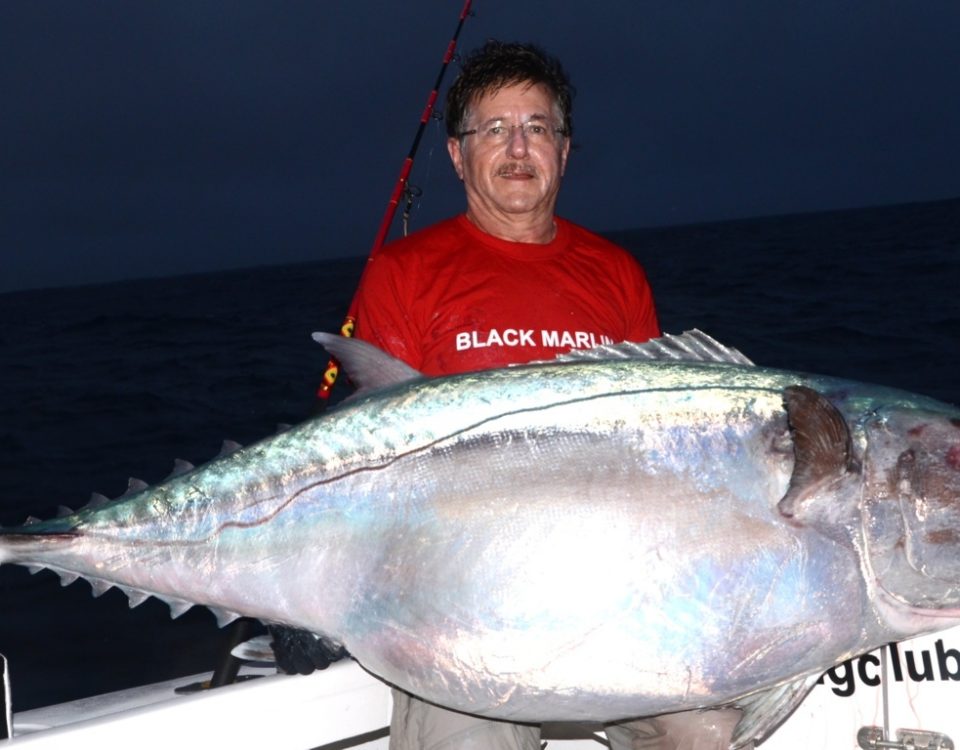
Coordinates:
<point>911,598</point>
<point>916,617</point>
<point>906,587</point>
<point>934,602</point>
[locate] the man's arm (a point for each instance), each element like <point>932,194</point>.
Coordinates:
<point>642,322</point>
<point>384,308</point>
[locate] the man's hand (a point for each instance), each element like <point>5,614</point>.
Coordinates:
<point>301,652</point>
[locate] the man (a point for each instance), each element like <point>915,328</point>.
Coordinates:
<point>506,282</point>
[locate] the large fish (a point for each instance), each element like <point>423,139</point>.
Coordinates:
<point>636,530</point>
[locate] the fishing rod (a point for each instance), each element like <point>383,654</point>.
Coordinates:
<point>333,368</point>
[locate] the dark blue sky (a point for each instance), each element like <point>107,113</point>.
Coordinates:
<point>151,138</point>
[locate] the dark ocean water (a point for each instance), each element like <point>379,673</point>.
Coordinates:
<point>101,383</point>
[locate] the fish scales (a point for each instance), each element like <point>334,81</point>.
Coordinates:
<point>592,539</point>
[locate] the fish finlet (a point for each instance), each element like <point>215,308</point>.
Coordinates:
<point>134,486</point>
<point>99,586</point>
<point>135,597</point>
<point>66,577</point>
<point>177,607</point>
<point>180,467</point>
<point>228,447</point>
<point>224,617</point>
<point>96,500</point>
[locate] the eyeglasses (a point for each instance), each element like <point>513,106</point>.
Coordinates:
<point>497,132</point>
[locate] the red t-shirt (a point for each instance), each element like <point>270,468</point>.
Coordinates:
<point>452,298</point>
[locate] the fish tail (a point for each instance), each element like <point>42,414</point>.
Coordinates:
<point>9,542</point>
<point>6,547</point>
<point>17,544</point>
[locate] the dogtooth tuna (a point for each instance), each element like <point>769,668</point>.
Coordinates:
<point>628,531</point>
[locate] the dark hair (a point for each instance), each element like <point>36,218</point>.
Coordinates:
<point>498,64</point>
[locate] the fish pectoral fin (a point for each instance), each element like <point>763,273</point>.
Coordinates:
<point>764,711</point>
<point>823,449</point>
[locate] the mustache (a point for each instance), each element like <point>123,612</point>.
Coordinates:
<point>508,170</point>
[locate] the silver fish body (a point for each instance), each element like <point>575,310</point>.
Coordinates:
<point>592,539</point>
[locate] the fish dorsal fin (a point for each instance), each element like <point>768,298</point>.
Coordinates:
<point>689,346</point>
<point>367,366</point>
<point>823,449</point>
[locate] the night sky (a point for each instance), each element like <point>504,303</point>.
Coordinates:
<point>154,138</point>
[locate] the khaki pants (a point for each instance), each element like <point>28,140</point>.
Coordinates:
<point>417,725</point>
<point>422,726</point>
<point>689,730</point>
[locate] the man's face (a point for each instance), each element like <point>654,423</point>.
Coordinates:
<point>514,161</point>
